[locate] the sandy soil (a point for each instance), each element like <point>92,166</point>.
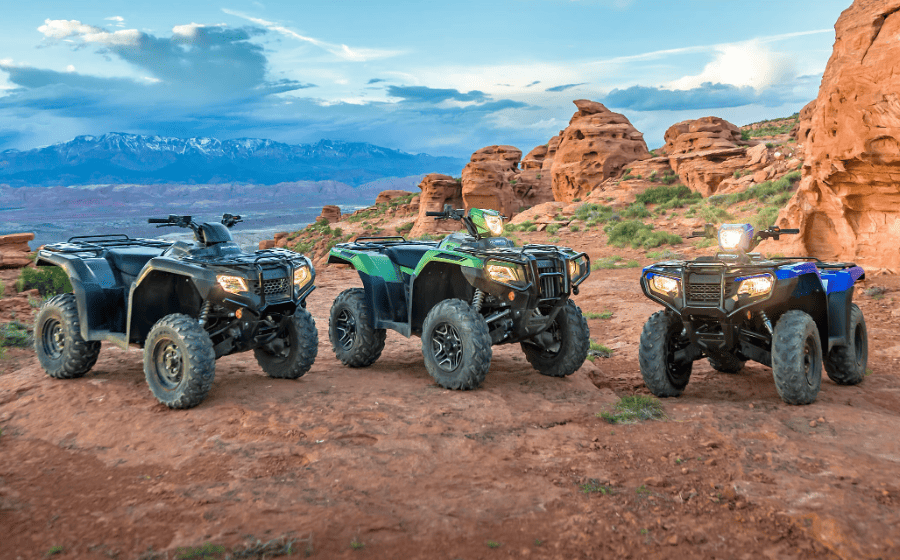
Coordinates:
<point>382,463</point>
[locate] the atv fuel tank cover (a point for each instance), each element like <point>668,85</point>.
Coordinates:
<point>215,233</point>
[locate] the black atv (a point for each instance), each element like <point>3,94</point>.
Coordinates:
<point>462,295</point>
<point>186,303</point>
<point>783,312</point>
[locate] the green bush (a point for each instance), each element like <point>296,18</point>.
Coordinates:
<point>639,235</point>
<point>15,334</point>
<point>669,197</point>
<point>405,228</point>
<point>553,228</point>
<point>49,281</point>
<point>636,210</point>
<point>596,213</point>
<point>713,215</point>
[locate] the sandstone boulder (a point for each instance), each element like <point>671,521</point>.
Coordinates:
<point>330,213</point>
<point>437,190</point>
<point>804,124</point>
<point>597,145</point>
<point>14,250</point>
<point>386,196</point>
<point>704,152</point>
<point>848,204</point>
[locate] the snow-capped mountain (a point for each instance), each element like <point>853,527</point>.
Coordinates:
<point>118,158</point>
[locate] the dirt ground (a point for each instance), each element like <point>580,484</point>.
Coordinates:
<point>382,463</point>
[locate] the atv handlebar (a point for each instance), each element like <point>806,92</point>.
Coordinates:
<point>157,221</point>
<point>448,213</point>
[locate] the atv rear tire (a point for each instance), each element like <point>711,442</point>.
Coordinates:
<point>846,365</point>
<point>562,348</point>
<point>179,361</point>
<point>291,356</point>
<point>354,339</point>
<point>57,339</point>
<point>797,358</point>
<point>726,363</point>
<point>456,345</point>
<point>660,339</point>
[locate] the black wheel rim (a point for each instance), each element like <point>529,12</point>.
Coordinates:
<point>446,347</point>
<point>53,339</point>
<point>809,359</point>
<point>168,363</point>
<point>346,329</point>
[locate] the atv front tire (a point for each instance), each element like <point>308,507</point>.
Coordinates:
<point>57,339</point>
<point>562,348</point>
<point>797,358</point>
<point>354,339</point>
<point>456,345</point>
<point>179,361</point>
<point>660,339</point>
<point>846,365</point>
<point>291,356</point>
<point>726,363</point>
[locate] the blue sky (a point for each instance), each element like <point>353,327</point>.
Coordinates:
<point>444,78</point>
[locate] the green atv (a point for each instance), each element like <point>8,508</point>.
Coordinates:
<point>462,295</point>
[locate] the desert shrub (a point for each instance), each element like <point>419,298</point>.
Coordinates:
<point>15,334</point>
<point>553,228</point>
<point>636,210</point>
<point>765,218</point>
<point>596,212</point>
<point>634,408</point>
<point>49,281</point>
<point>638,234</point>
<point>670,197</point>
<point>712,214</point>
<point>405,228</point>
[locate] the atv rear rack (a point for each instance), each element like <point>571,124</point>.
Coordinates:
<point>98,243</point>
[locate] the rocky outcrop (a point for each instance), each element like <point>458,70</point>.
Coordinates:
<point>704,152</point>
<point>386,196</point>
<point>804,124</point>
<point>597,145</point>
<point>330,213</point>
<point>848,204</point>
<point>493,179</point>
<point>437,190</point>
<point>14,250</point>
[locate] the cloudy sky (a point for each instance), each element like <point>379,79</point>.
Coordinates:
<point>445,78</point>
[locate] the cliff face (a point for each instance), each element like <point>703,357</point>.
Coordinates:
<point>848,203</point>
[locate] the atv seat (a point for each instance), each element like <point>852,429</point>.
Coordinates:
<point>407,255</point>
<point>130,260</point>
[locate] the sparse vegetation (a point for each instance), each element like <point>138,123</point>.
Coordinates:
<point>553,228</point>
<point>405,228</point>
<point>601,315</point>
<point>493,544</point>
<point>667,254</point>
<point>357,545</point>
<point>203,552</point>
<point>770,127</point>
<point>634,408</point>
<point>54,550</point>
<point>613,261</point>
<point>668,197</point>
<point>593,486</point>
<point>49,281</point>
<point>598,349</point>
<point>14,334</point>
<point>574,227</point>
<point>638,234</point>
<point>636,210</point>
<point>875,292</point>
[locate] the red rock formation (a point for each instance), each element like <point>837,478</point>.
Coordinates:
<point>704,152</point>
<point>804,125</point>
<point>14,250</point>
<point>848,203</point>
<point>595,146</point>
<point>437,190</point>
<point>330,213</point>
<point>486,179</point>
<point>387,196</point>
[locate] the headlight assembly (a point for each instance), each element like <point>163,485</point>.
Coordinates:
<point>735,237</point>
<point>233,284</point>
<point>664,285</point>
<point>577,269</point>
<point>505,273</point>
<point>756,285</point>
<point>494,224</point>
<point>302,276</point>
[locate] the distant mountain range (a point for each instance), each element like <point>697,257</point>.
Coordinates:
<point>118,158</point>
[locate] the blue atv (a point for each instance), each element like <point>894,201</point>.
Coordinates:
<point>784,312</point>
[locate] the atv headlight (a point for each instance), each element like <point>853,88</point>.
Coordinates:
<point>735,237</point>
<point>577,269</point>
<point>494,224</point>
<point>664,285</point>
<point>505,273</point>
<point>301,276</point>
<point>233,284</point>
<point>756,285</point>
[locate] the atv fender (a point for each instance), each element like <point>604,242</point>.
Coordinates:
<point>98,299</point>
<point>165,287</point>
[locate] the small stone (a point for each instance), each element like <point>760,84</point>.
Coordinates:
<point>684,470</point>
<point>672,541</point>
<point>812,424</point>
<point>751,405</point>
<point>821,420</point>
<point>885,493</point>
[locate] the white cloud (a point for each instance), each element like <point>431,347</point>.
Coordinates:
<point>118,21</point>
<point>189,30</point>
<point>742,64</point>
<point>341,51</point>
<point>70,68</point>
<point>63,29</point>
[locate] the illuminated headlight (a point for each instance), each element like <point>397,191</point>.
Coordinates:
<point>505,273</point>
<point>577,268</point>
<point>664,285</point>
<point>735,237</point>
<point>302,276</point>
<point>756,285</point>
<point>233,284</point>
<point>494,224</point>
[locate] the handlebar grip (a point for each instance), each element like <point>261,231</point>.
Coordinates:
<point>789,231</point>
<point>157,220</point>
<point>434,213</point>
